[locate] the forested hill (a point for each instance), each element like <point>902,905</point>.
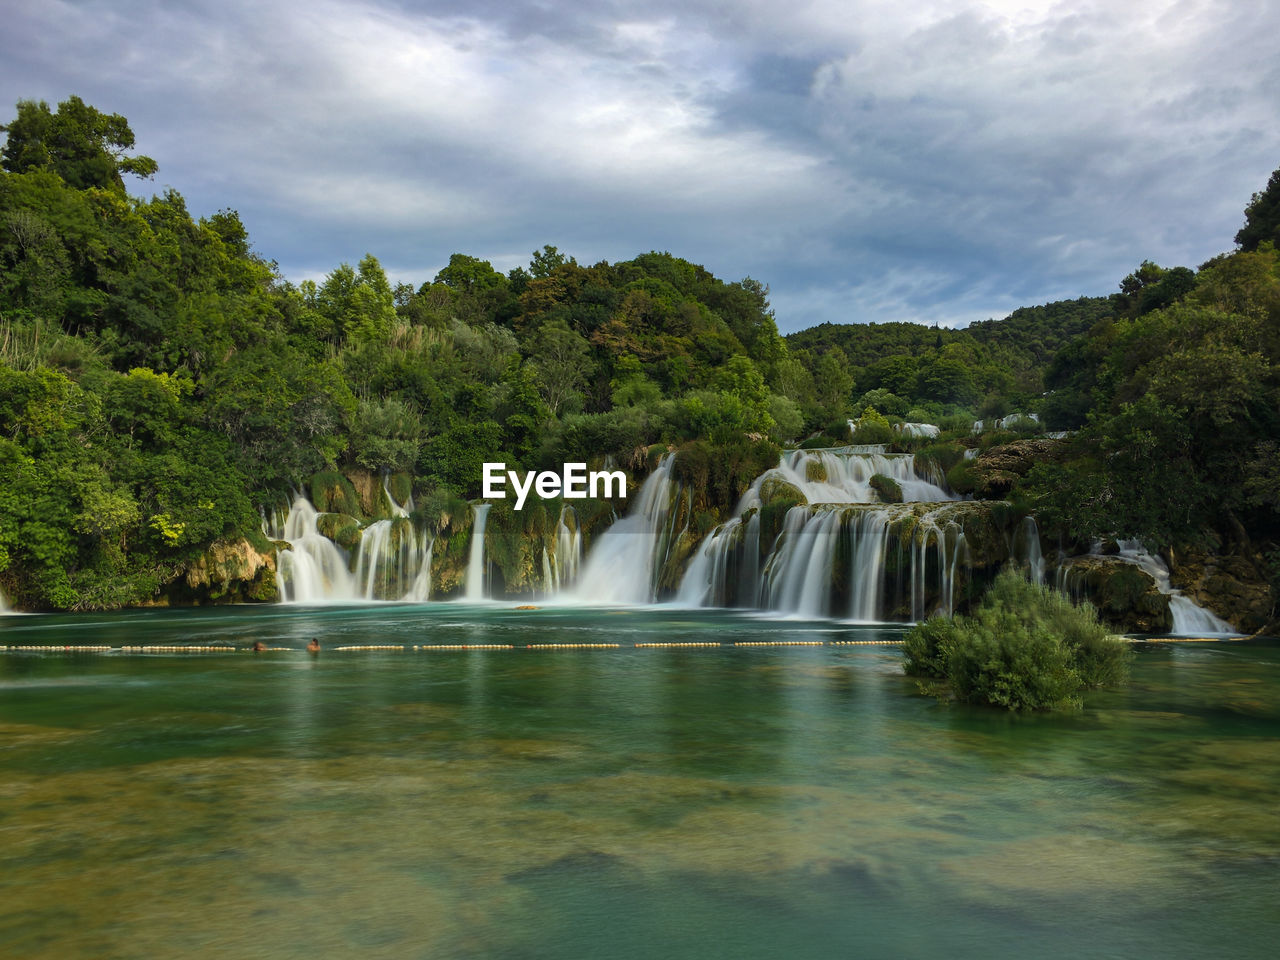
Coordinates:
<point>1004,359</point>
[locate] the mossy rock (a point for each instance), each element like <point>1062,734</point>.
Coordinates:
<point>1126,595</point>
<point>815,471</point>
<point>887,488</point>
<point>229,572</point>
<point>441,511</point>
<point>331,492</point>
<point>401,486</point>
<point>342,528</point>
<point>962,478</point>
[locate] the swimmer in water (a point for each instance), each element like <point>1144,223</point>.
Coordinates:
<point>314,645</point>
<point>259,646</point>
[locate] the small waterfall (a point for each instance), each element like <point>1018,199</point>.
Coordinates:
<point>917,430</point>
<point>273,521</point>
<point>394,561</point>
<point>1034,555</point>
<point>843,475</point>
<point>869,539</point>
<point>313,569</point>
<point>4,604</point>
<point>1005,423</point>
<point>624,562</point>
<point>1189,619</point>
<point>568,552</point>
<point>797,577</point>
<point>420,590</point>
<point>475,560</point>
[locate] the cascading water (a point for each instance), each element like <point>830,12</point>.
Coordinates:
<point>623,564</point>
<point>840,553</point>
<point>1189,619</point>
<point>392,559</point>
<point>313,569</point>
<point>917,430</point>
<point>561,570</point>
<point>474,586</point>
<point>1034,556</point>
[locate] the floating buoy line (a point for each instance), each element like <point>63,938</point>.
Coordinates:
<point>464,647</point>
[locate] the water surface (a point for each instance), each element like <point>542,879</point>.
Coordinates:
<point>628,802</point>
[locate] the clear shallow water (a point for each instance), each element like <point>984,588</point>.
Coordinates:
<point>740,802</point>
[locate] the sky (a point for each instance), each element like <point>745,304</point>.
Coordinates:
<point>869,160</point>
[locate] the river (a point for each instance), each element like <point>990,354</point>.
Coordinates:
<point>625,801</point>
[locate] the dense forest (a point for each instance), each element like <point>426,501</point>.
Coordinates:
<point>160,381</point>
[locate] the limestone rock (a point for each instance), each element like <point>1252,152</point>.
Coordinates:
<point>1229,586</point>
<point>1126,595</point>
<point>993,473</point>
<point>233,571</point>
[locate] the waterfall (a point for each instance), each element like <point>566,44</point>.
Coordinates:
<point>833,556</point>
<point>4,604</point>
<point>391,562</point>
<point>624,562</point>
<point>560,570</point>
<point>843,475</point>
<point>475,560</point>
<point>917,430</point>
<point>1034,555</point>
<point>314,568</point>
<point>394,561</point>
<point>420,590</point>
<point>1189,619</point>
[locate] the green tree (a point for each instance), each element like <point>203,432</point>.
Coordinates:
<point>561,359</point>
<point>85,147</point>
<point>1262,217</point>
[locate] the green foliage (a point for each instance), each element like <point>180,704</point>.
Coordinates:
<point>1262,217</point>
<point>872,427</point>
<point>1026,647</point>
<point>83,146</point>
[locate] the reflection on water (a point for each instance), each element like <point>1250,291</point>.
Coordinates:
<point>634,803</point>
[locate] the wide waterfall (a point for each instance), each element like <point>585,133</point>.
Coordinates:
<point>835,550</point>
<point>474,585</point>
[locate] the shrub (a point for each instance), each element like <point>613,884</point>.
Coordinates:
<point>872,427</point>
<point>1026,647</point>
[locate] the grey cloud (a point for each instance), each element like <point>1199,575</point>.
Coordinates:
<point>868,161</point>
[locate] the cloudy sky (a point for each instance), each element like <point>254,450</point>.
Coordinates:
<point>871,160</point>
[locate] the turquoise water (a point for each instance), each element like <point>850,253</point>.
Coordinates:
<point>632,802</point>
